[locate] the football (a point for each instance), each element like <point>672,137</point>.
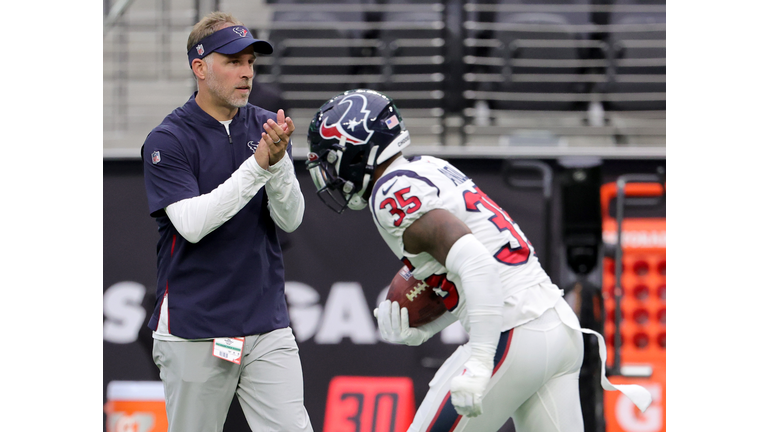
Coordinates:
<point>423,304</point>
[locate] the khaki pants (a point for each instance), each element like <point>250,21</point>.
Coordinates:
<point>199,387</point>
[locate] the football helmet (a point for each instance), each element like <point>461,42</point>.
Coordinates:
<point>351,134</point>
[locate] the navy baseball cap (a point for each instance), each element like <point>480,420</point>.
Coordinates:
<point>229,40</point>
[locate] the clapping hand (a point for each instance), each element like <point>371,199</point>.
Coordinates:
<point>274,140</point>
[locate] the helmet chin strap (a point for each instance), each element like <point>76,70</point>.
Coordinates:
<point>338,153</point>
<point>356,201</point>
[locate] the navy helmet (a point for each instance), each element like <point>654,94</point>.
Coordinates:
<point>351,134</point>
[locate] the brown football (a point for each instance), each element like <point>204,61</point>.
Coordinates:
<point>423,304</point>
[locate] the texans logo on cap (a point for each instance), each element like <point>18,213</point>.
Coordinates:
<point>352,124</point>
<point>240,31</point>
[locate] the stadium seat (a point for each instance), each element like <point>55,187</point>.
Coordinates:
<point>412,49</point>
<point>637,48</point>
<point>534,59</point>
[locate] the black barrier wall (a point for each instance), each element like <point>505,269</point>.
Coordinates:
<point>337,267</point>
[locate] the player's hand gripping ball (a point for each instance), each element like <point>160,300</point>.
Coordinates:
<point>423,304</point>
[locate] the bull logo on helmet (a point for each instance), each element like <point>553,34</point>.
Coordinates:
<point>352,124</point>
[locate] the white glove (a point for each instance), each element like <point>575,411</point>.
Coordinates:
<point>467,389</point>
<point>393,325</point>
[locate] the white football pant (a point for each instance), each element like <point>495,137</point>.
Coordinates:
<point>535,382</point>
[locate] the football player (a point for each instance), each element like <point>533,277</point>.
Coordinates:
<point>525,344</point>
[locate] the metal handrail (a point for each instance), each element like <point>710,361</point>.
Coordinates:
<point>351,7</point>
<point>509,7</point>
<point>566,28</point>
<point>567,97</point>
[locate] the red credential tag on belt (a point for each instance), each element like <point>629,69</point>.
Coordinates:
<point>229,349</point>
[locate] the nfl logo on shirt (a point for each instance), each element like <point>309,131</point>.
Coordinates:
<point>156,157</point>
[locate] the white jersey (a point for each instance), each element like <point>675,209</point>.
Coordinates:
<point>409,189</point>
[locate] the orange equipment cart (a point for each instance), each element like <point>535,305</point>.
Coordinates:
<point>642,321</point>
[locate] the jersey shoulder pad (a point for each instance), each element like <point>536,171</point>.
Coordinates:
<point>401,197</point>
